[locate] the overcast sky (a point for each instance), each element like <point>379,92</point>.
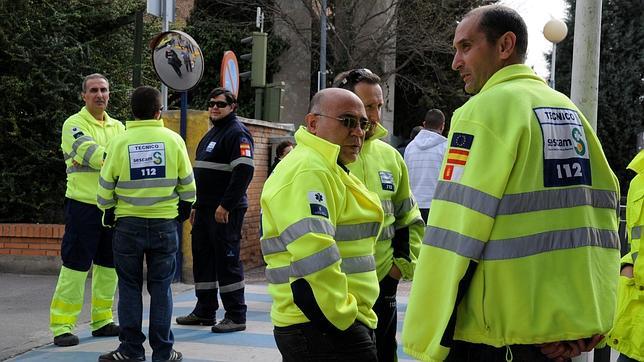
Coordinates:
<point>536,14</point>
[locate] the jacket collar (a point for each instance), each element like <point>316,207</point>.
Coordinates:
<point>327,150</point>
<point>381,132</point>
<point>637,164</point>
<point>508,73</point>
<point>109,121</point>
<point>144,123</point>
<point>224,121</point>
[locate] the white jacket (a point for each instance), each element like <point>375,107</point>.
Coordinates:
<point>424,156</point>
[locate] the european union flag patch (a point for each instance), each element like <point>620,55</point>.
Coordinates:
<point>462,140</point>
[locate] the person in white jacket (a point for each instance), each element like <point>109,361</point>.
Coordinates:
<point>424,156</point>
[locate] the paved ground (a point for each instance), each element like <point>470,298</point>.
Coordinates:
<point>24,321</point>
<point>24,311</point>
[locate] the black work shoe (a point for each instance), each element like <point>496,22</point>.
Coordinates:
<point>66,340</point>
<point>175,356</point>
<point>108,330</point>
<point>118,356</point>
<point>193,320</point>
<point>226,325</point>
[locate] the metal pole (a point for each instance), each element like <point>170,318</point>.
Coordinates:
<point>138,53</point>
<point>165,20</point>
<point>183,121</point>
<point>553,61</point>
<point>585,58</point>
<point>322,82</point>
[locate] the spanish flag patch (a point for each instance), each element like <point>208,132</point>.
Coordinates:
<point>457,155</point>
<point>244,150</point>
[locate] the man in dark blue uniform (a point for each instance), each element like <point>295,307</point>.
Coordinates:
<point>223,170</point>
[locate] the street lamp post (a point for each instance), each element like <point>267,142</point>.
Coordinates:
<point>555,31</point>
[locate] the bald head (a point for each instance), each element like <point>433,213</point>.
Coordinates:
<point>327,111</point>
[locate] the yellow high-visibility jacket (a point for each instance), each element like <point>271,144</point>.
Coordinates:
<point>319,228</point>
<point>627,335</point>
<point>146,172</point>
<point>521,245</point>
<point>83,142</point>
<point>382,169</point>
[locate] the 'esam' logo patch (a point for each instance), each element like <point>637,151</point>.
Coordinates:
<point>317,203</point>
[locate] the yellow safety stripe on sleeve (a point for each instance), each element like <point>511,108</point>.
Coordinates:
<point>357,231</point>
<point>187,180</point>
<point>387,206</point>
<point>387,233</point>
<point>213,166</point>
<point>74,168</point>
<point>242,161</point>
<point>206,285</point>
<point>353,265</point>
<point>636,232</point>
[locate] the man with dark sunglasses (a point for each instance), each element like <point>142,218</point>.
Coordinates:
<point>382,169</point>
<point>319,225</point>
<point>223,170</point>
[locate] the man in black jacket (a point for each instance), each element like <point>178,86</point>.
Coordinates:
<point>223,170</point>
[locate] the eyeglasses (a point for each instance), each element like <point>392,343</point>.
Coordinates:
<point>350,122</point>
<point>219,104</point>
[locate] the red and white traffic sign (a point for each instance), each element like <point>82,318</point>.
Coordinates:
<point>229,74</point>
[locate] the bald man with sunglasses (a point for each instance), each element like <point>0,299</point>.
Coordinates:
<point>319,226</point>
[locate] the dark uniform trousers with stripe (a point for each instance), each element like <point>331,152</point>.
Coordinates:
<point>216,264</point>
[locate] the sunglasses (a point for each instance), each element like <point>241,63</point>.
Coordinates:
<point>219,104</point>
<point>350,122</point>
<point>357,75</point>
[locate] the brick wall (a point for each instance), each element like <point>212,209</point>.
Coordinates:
<point>35,248</point>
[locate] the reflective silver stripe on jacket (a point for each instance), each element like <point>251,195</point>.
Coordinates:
<point>634,255</point>
<point>523,202</point>
<point>232,287</point>
<point>404,206</point>
<point>453,241</point>
<point>358,264</point>
<point>315,262</point>
<point>469,197</point>
<point>73,169</point>
<point>106,184</point>
<point>295,231</point>
<point>242,161</point>
<point>213,165</point>
<point>187,180</point>
<point>278,275</point>
<point>79,141</point>
<point>146,183</point>
<point>206,285</point>
<point>387,233</point>
<point>387,206</point>
<point>105,202</point>
<point>187,195</point>
<point>521,246</point>
<point>146,201</point>
<point>89,153</point>
<point>636,232</point>
<point>556,199</point>
<point>356,231</point>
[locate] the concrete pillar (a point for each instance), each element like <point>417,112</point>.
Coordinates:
<point>584,84</point>
<point>295,63</point>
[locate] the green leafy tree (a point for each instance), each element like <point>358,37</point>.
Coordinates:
<point>217,26</point>
<point>621,80</point>
<point>46,48</point>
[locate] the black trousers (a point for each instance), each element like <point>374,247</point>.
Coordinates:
<point>387,312</point>
<point>216,265</point>
<point>304,342</point>
<point>473,352</point>
<point>424,213</point>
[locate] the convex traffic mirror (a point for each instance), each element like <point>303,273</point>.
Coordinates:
<point>177,60</point>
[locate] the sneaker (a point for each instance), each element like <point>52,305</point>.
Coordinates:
<point>194,320</point>
<point>175,356</point>
<point>118,356</point>
<point>227,325</point>
<point>66,340</point>
<point>108,330</point>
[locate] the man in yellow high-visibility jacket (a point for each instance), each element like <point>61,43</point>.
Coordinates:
<point>627,335</point>
<point>319,227</point>
<point>382,169</point>
<point>520,257</point>
<point>147,185</point>
<point>84,138</point>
